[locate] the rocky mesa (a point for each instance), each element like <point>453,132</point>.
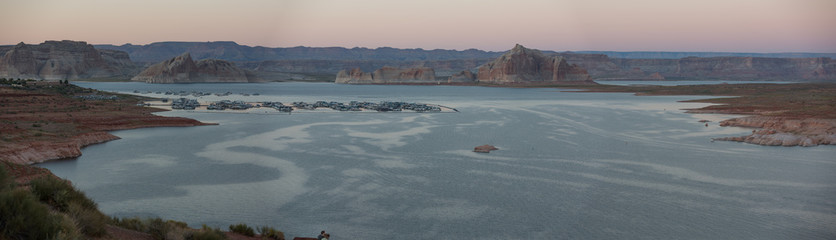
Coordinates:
<point>182,69</point>
<point>523,65</point>
<point>387,75</point>
<point>64,60</point>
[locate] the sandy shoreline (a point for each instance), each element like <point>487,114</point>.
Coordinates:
<point>799,114</point>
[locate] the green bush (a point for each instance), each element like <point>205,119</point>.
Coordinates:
<point>23,217</point>
<point>242,229</point>
<point>59,194</point>
<point>270,233</point>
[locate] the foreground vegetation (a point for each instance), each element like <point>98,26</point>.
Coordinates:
<point>51,208</point>
<point>35,204</point>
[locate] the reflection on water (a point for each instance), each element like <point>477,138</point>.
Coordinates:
<point>570,165</point>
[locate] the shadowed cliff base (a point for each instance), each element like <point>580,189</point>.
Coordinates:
<point>801,114</point>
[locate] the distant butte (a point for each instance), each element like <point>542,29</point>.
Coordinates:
<point>182,69</point>
<point>521,64</point>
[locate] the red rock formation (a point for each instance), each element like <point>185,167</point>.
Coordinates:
<point>59,60</point>
<point>387,75</point>
<point>484,148</point>
<point>41,151</point>
<point>182,69</point>
<point>528,65</point>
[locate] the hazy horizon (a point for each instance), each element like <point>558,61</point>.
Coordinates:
<point>769,26</point>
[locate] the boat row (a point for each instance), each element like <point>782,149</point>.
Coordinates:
<point>385,106</point>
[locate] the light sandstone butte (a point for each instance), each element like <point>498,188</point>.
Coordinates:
<point>523,65</point>
<point>63,60</point>
<point>465,76</point>
<point>386,75</point>
<point>182,69</point>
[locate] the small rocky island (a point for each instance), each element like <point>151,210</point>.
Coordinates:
<point>485,148</point>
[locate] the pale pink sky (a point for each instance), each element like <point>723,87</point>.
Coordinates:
<point>560,25</point>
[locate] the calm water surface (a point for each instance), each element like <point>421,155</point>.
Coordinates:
<point>570,166</point>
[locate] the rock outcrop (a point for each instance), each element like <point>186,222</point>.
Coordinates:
<point>42,151</point>
<point>182,69</point>
<point>485,148</point>
<point>782,131</point>
<point>64,60</point>
<point>462,77</point>
<point>387,75</point>
<point>523,65</point>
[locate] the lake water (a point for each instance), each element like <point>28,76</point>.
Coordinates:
<point>570,166</point>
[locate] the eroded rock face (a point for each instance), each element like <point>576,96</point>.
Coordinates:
<point>462,77</point>
<point>522,65</point>
<point>182,69</point>
<point>60,60</point>
<point>387,75</point>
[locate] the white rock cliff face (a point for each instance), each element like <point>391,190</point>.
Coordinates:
<point>182,69</point>
<point>387,75</point>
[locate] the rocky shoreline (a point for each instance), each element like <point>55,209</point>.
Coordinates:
<point>783,131</point>
<point>46,121</point>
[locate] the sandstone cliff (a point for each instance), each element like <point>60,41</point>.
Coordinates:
<point>710,68</point>
<point>60,60</point>
<point>387,75</point>
<point>522,65</point>
<point>462,77</point>
<point>182,69</point>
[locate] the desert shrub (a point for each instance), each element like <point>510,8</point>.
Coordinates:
<point>242,229</point>
<point>22,216</point>
<point>62,196</point>
<point>206,233</point>
<point>69,229</point>
<point>91,222</point>
<point>59,194</point>
<point>158,228</point>
<point>270,233</point>
<point>134,223</point>
<point>6,180</point>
